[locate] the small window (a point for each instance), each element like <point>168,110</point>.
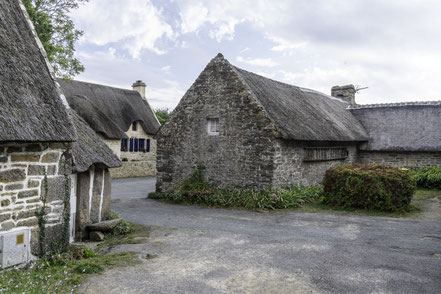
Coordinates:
<point>147,148</point>
<point>134,126</point>
<point>213,126</point>
<point>136,145</point>
<point>124,144</point>
<point>142,145</point>
<point>131,145</point>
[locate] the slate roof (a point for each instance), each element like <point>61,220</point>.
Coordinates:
<point>89,149</point>
<point>303,114</point>
<point>109,111</point>
<point>409,126</point>
<point>31,107</point>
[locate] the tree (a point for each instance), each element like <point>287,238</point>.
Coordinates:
<point>162,114</point>
<point>57,33</point>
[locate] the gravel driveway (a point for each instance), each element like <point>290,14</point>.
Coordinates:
<point>206,250</point>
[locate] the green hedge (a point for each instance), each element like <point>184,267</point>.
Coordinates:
<point>429,177</point>
<point>376,187</point>
<point>194,190</point>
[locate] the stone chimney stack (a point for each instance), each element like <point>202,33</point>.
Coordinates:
<point>346,93</point>
<point>139,86</point>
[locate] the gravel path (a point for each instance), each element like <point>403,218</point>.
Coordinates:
<point>206,250</point>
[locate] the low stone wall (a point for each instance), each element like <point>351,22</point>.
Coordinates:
<point>93,199</point>
<point>130,169</point>
<point>401,159</point>
<point>290,167</point>
<point>22,170</point>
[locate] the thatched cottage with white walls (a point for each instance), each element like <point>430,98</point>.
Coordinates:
<point>123,119</point>
<point>251,131</point>
<point>40,135</point>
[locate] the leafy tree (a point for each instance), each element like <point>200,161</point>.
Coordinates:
<point>57,33</point>
<point>162,114</point>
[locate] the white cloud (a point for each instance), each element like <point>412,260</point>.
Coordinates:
<point>166,68</point>
<point>165,97</point>
<point>265,62</point>
<point>285,45</point>
<point>136,24</point>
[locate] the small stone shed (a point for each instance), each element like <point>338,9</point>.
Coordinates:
<point>123,119</point>
<point>91,181</point>
<point>40,134</point>
<point>36,133</point>
<point>248,130</point>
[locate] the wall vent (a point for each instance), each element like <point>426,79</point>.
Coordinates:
<point>14,246</point>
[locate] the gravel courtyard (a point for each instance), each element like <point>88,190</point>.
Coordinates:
<point>207,250</point>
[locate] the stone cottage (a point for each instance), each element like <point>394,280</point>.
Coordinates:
<point>248,130</point>
<point>123,119</point>
<point>251,131</point>
<point>38,134</point>
<point>401,134</point>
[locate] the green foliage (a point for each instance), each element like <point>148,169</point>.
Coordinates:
<point>195,190</point>
<point>375,187</point>
<point>112,215</point>
<point>62,272</point>
<point>429,177</point>
<point>162,114</point>
<point>57,33</point>
<point>123,228</point>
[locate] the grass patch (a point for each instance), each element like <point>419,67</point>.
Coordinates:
<point>61,274</point>
<point>137,234</point>
<point>425,194</point>
<point>195,190</point>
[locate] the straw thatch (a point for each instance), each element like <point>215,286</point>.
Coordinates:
<point>411,126</point>
<point>31,108</point>
<point>89,149</point>
<point>108,110</point>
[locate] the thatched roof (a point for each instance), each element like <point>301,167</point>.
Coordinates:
<point>109,111</point>
<point>89,149</point>
<point>31,107</point>
<point>303,114</point>
<point>410,126</point>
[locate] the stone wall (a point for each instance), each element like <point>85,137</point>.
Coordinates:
<point>241,154</point>
<point>290,167</point>
<point>401,159</point>
<point>22,169</point>
<point>131,169</point>
<point>93,199</point>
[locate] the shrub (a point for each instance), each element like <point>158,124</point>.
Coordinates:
<point>123,228</point>
<point>429,177</point>
<point>195,190</point>
<point>369,186</point>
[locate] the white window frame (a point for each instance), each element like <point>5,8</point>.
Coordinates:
<point>213,126</point>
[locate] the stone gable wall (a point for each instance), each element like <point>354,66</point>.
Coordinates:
<point>22,169</point>
<point>242,153</point>
<point>291,169</point>
<point>401,159</point>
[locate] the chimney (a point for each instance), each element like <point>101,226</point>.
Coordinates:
<point>346,93</point>
<point>139,86</point>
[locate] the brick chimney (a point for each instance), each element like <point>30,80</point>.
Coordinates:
<point>346,93</point>
<point>139,86</point>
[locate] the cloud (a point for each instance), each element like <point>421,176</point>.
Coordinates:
<point>167,96</point>
<point>138,25</point>
<point>166,68</point>
<point>265,62</point>
<point>284,45</point>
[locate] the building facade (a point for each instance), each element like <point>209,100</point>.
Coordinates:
<point>251,131</point>
<point>123,119</point>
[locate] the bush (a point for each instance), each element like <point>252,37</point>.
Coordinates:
<point>195,190</point>
<point>369,186</point>
<point>429,177</point>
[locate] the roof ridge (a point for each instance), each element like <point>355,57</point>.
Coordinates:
<point>396,104</point>
<point>96,84</point>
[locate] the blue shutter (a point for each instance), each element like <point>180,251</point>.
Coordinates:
<point>122,144</point>
<point>141,144</point>
<point>131,145</point>
<point>136,144</point>
<point>147,149</point>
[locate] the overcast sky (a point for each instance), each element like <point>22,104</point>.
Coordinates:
<point>393,47</point>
